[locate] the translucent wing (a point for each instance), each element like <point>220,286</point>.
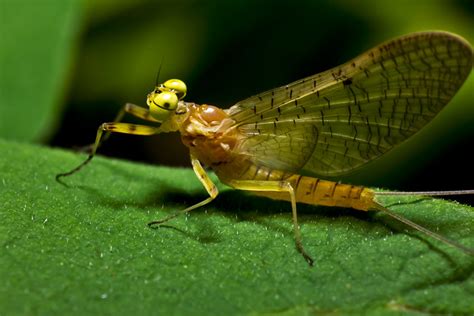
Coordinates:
<point>336,121</point>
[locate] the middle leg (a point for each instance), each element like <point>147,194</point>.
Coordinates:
<point>206,182</point>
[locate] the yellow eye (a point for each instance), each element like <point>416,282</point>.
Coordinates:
<point>162,104</point>
<point>166,100</point>
<point>176,85</point>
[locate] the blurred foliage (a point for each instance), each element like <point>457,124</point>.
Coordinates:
<point>228,50</point>
<point>36,49</point>
<point>85,249</point>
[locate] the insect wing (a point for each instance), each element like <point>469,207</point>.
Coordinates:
<point>336,121</point>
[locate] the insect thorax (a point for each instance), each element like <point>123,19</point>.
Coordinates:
<point>208,132</point>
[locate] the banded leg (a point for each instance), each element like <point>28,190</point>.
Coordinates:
<point>124,128</point>
<point>134,110</point>
<point>206,182</point>
<point>275,186</point>
<point>130,108</point>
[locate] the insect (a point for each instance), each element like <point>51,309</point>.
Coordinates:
<point>328,124</point>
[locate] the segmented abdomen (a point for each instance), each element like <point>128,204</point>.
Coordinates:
<point>310,190</point>
<point>322,192</point>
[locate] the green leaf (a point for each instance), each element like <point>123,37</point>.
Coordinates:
<point>86,249</point>
<point>35,55</point>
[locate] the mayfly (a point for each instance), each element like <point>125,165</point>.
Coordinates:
<point>325,125</point>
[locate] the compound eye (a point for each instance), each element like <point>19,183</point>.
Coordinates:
<point>176,85</point>
<point>166,100</point>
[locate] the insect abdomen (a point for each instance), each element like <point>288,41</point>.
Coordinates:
<point>322,192</point>
<point>315,191</point>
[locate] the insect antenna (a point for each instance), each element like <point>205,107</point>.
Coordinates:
<point>422,229</point>
<point>157,80</point>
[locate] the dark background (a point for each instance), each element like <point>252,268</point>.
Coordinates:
<point>226,51</point>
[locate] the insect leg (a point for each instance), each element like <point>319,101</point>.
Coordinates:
<point>125,128</point>
<point>275,186</point>
<point>206,182</point>
<point>136,111</point>
<point>130,108</point>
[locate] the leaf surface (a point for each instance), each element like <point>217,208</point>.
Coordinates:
<point>86,249</point>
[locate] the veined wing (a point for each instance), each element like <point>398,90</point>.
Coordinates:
<point>333,122</point>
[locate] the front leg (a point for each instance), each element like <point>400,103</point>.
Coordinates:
<point>124,128</point>
<point>129,108</point>
<point>134,110</point>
